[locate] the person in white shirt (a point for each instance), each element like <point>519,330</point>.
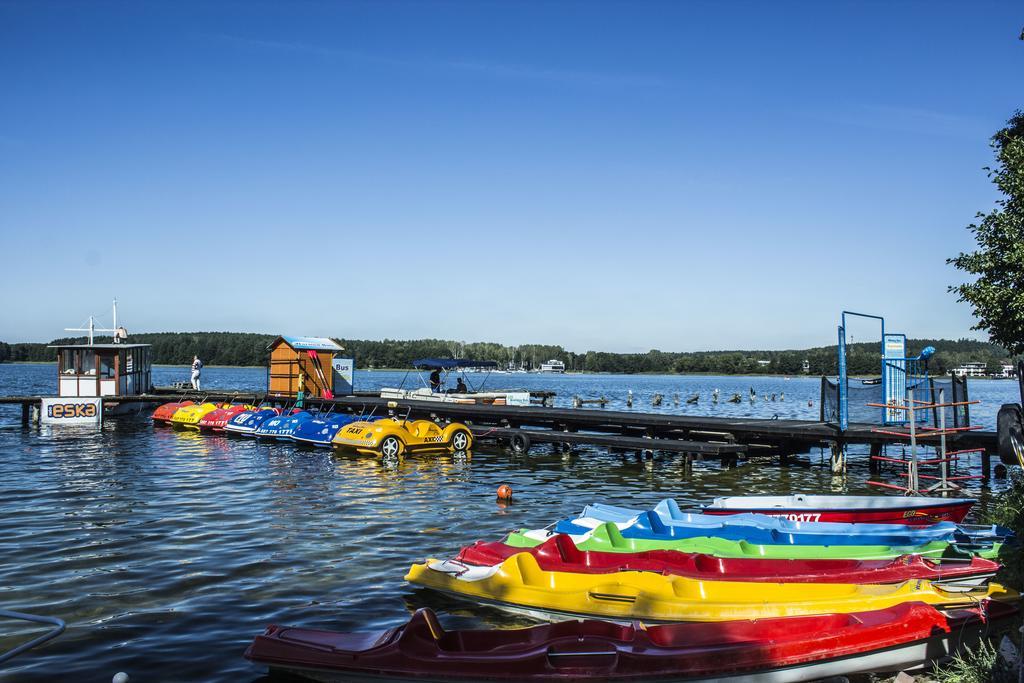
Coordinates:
<point>197,369</point>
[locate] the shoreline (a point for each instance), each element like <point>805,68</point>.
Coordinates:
<point>546,374</point>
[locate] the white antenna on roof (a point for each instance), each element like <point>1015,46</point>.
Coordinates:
<point>119,332</point>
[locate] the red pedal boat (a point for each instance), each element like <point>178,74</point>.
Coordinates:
<point>783,650</point>
<point>913,510</point>
<point>164,413</point>
<point>218,419</point>
<point>560,554</point>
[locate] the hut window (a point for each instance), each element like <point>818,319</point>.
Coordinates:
<point>67,362</point>
<point>107,366</point>
<point>87,362</point>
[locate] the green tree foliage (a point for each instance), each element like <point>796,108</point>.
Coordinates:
<point>996,295</point>
<point>235,348</point>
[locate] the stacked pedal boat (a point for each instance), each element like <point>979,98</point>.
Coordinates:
<point>670,595</point>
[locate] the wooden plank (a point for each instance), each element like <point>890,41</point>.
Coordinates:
<point>612,441</point>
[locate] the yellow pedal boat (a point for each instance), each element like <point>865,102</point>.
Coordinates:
<point>520,582</point>
<point>189,416</point>
<point>394,436</point>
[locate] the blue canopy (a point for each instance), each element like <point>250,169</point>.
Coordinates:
<point>449,363</point>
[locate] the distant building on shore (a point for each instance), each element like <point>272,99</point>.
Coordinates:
<point>973,369</point>
<point>978,369</point>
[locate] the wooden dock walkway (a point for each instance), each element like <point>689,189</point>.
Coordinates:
<point>694,436</point>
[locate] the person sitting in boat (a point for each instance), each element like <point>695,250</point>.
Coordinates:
<point>435,380</point>
<point>460,386</point>
<point>197,369</point>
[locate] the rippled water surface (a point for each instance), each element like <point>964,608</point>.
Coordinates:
<point>167,551</point>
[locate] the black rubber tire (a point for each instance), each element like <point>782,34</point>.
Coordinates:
<point>1010,434</point>
<point>520,443</point>
<point>465,436</point>
<point>385,448</point>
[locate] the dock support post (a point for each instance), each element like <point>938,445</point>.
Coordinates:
<point>24,414</point>
<point>876,450</point>
<point>986,465</point>
<point>838,457</point>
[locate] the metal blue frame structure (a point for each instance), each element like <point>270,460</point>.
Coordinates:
<point>897,369</point>
<point>844,398</point>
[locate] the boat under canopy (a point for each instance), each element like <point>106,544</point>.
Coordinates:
<point>475,395</point>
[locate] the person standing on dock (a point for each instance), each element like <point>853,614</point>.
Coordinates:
<point>435,380</point>
<point>197,369</point>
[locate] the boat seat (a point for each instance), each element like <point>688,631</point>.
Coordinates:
<point>424,621</point>
<point>419,428</point>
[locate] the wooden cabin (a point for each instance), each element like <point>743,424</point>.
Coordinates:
<point>107,370</point>
<point>308,358</point>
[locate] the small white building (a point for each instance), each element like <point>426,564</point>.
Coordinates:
<point>974,369</point>
<point>764,363</point>
<point>1008,370</point>
<point>807,365</point>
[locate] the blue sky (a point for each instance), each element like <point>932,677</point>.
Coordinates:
<point>614,176</point>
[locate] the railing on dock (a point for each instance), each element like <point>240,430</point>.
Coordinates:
<point>58,628</point>
<point>945,481</point>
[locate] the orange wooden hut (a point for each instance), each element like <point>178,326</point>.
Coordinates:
<point>301,363</point>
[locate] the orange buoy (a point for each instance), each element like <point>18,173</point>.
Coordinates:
<point>504,492</point>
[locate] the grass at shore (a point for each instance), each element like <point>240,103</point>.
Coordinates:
<point>984,665</point>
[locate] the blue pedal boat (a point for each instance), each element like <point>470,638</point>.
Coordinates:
<point>247,422</point>
<point>667,521</point>
<point>320,431</point>
<point>282,427</point>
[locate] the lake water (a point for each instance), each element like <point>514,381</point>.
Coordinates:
<point>166,552</point>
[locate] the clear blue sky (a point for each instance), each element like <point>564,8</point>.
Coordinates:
<point>615,176</point>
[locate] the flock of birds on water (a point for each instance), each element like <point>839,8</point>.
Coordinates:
<point>692,399</point>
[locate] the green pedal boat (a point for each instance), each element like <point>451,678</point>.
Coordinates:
<point>608,538</point>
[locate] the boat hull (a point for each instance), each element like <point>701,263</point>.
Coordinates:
<point>217,420</point>
<point>520,582</point>
<point>163,414</point>
<point>281,427</point>
<point>560,554</point>
<point>608,538</point>
<point>905,637</point>
<point>247,422</point>
<point>320,432</point>
<point>914,511</point>
<point>188,417</point>
<point>649,525</point>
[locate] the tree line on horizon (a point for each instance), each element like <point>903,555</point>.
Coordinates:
<point>245,348</point>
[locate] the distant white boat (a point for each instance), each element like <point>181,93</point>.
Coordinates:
<point>509,398</point>
<point>555,366</point>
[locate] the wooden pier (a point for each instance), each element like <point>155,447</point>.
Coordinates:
<point>694,436</point>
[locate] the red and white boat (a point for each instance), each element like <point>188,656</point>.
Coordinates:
<point>560,554</point>
<point>218,419</point>
<point>913,510</point>
<point>783,650</point>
